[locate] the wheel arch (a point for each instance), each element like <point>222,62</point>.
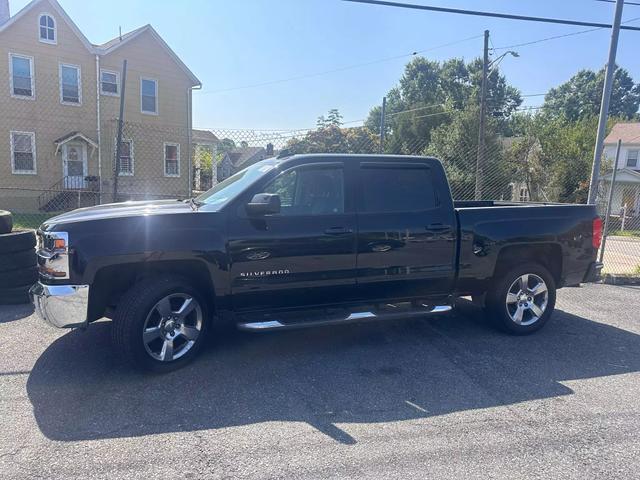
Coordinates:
<point>111,282</point>
<point>549,255</point>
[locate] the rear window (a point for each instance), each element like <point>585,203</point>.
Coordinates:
<point>395,189</point>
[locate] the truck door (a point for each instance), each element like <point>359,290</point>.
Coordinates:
<point>406,231</point>
<point>303,256</point>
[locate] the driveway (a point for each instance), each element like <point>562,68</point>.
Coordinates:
<point>439,398</point>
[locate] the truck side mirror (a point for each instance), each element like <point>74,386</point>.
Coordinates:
<point>264,204</point>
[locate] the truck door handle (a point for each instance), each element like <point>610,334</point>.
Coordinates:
<point>338,231</point>
<point>437,227</point>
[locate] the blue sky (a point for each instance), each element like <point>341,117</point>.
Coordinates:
<point>237,43</point>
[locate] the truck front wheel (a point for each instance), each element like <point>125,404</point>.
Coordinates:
<point>521,300</point>
<point>160,323</point>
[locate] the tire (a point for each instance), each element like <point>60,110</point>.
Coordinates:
<point>17,241</point>
<point>138,310</point>
<point>17,260</point>
<point>15,295</point>
<point>6,221</point>
<point>15,278</point>
<point>507,298</point>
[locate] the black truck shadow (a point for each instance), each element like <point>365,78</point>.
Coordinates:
<point>368,373</point>
<point>11,313</point>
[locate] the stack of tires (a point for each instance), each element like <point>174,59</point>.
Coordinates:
<point>18,264</point>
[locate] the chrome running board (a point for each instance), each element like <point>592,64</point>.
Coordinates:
<point>351,318</point>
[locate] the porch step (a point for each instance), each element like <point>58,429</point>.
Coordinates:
<point>294,320</point>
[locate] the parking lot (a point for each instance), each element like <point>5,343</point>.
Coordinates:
<point>427,398</point>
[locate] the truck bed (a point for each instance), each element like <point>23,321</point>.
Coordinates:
<point>488,229</point>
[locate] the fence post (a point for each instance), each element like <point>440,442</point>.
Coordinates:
<point>610,199</point>
<point>116,168</point>
<point>382,125</point>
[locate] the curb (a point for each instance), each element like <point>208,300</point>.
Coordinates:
<point>613,279</point>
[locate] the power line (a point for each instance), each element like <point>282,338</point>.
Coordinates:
<point>479,13</point>
<point>614,1</point>
<point>340,69</point>
<point>555,37</point>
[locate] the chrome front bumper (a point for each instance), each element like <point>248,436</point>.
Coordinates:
<point>63,306</point>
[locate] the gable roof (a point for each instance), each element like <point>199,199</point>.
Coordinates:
<point>628,132</point>
<point>109,46</point>
<point>203,136</point>
<point>119,41</point>
<point>240,156</point>
<point>59,10</point>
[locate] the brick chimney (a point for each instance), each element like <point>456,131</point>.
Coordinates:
<point>4,11</point>
<point>269,146</point>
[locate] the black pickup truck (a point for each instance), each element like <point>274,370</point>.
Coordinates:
<point>306,240</point>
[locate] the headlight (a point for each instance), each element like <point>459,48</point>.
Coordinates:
<point>53,255</point>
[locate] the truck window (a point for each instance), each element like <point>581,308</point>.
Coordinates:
<point>310,191</point>
<point>395,189</point>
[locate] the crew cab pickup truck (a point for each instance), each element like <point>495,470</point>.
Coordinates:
<point>307,240</point>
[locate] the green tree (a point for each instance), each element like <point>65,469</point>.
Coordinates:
<point>456,145</point>
<point>329,137</point>
<point>427,94</point>
<point>580,97</point>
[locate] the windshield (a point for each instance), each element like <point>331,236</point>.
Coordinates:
<point>228,189</point>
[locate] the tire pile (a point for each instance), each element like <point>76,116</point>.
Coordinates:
<point>18,264</point>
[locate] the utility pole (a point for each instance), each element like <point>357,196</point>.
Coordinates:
<point>604,106</point>
<point>483,108</point>
<point>382,125</point>
<point>116,164</point>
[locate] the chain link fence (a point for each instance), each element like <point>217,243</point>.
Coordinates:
<point>61,167</point>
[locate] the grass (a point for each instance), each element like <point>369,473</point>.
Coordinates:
<point>30,220</point>
<point>626,233</point>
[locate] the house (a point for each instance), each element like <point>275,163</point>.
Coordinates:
<point>239,158</point>
<point>204,144</point>
<point>627,187</point>
<point>60,98</point>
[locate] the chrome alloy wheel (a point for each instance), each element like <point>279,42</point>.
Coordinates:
<point>527,299</point>
<point>172,327</point>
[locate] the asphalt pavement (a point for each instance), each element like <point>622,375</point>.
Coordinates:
<point>444,397</point>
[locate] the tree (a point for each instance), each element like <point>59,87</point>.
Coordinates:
<point>581,96</point>
<point>329,137</point>
<point>456,145</point>
<point>429,91</point>
<point>553,155</point>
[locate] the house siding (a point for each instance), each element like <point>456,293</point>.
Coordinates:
<point>148,132</point>
<point>44,115</point>
<point>49,119</point>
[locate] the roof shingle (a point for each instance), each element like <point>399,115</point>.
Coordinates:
<point>628,132</point>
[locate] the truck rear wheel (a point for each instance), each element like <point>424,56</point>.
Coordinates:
<point>522,299</point>
<point>160,324</point>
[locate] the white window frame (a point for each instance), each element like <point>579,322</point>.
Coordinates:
<point>55,29</point>
<point>637,165</point>
<point>131,156</point>
<point>142,110</point>
<point>77,67</point>
<point>33,75</point>
<point>164,150</point>
<point>112,72</point>
<point>33,151</point>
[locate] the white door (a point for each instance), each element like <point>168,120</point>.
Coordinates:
<point>74,164</point>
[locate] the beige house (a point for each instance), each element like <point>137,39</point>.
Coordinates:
<point>60,97</point>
